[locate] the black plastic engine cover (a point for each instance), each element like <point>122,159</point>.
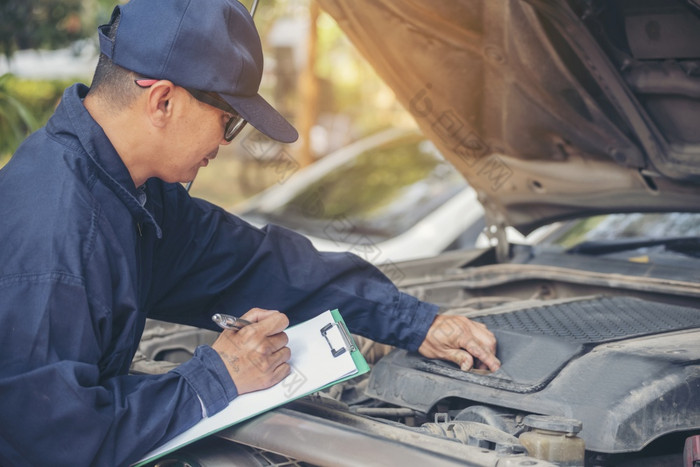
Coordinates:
<point>629,369</point>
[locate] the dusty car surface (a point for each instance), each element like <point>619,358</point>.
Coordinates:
<point>583,113</point>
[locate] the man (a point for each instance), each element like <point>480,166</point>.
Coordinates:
<point>98,234</point>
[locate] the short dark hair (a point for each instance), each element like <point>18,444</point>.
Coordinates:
<point>112,83</point>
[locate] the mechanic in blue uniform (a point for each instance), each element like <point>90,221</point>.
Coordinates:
<point>98,234</point>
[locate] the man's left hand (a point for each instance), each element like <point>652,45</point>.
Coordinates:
<point>462,341</point>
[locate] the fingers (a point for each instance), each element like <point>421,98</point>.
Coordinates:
<point>270,323</point>
<point>482,335</point>
<point>462,341</point>
<point>256,355</point>
<point>483,353</point>
<point>259,314</point>
<point>272,367</point>
<point>461,358</point>
<point>480,343</point>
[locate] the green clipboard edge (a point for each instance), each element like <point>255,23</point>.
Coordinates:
<point>357,357</point>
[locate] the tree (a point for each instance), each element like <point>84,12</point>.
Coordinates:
<point>29,24</point>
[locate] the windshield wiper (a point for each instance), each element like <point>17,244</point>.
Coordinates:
<point>686,245</point>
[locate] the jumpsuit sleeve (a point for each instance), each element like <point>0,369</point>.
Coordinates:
<point>65,398</point>
<point>238,267</point>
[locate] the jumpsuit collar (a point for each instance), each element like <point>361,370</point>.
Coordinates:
<point>94,142</point>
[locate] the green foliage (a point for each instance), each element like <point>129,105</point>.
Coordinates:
<point>26,24</point>
<point>25,105</point>
<point>16,121</point>
<point>49,24</point>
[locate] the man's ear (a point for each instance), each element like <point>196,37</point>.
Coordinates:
<point>158,102</point>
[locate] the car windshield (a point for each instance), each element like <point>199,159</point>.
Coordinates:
<point>378,194</point>
<point>613,233</point>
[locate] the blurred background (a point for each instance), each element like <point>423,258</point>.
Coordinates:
<point>313,75</point>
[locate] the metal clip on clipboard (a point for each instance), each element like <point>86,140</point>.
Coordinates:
<point>337,350</point>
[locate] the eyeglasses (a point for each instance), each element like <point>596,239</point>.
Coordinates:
<point>234,125</point>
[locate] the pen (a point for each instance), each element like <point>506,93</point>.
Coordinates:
<point>229,322</point>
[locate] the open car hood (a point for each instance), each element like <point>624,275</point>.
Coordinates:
<point>550,109</point>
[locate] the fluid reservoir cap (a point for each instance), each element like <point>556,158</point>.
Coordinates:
<point>553,423</point>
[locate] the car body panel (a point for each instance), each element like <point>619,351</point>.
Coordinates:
<point>532,109</point>
<point>299,204</point>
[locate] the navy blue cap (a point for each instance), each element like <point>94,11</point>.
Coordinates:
<point>210,45</point>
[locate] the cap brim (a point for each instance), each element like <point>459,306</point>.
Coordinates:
<point>263,117</point>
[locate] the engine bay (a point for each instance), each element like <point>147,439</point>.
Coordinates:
<point>619,362</point>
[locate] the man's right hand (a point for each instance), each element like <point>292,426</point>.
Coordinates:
<point>256,356</point>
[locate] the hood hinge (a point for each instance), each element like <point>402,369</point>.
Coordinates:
<point>496,233</point>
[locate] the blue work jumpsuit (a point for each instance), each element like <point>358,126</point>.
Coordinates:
<point>86,257</point>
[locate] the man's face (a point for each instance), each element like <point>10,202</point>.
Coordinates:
<point>194,138</point>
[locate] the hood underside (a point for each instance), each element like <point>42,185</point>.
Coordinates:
<point>551,110</point>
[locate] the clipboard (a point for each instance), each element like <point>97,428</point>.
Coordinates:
<point>323,354</point>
